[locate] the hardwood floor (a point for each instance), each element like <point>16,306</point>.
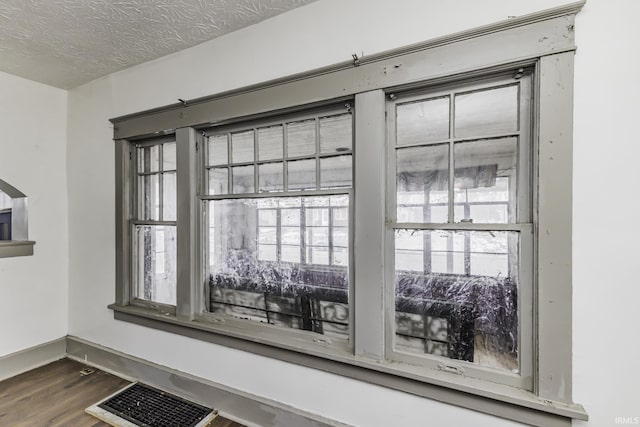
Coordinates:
<point>57,395</point>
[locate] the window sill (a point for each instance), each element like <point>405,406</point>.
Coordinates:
<point>14,248</point>
<point>483,396</point>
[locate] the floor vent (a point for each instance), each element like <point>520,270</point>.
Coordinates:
<point>141,405</point>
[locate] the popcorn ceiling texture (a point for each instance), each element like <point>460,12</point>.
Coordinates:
<point>66,43</point>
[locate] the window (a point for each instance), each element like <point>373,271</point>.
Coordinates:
<point>462,156</point>
<point>277,202</point>
<point>405,221</point>
<point>155,225</point>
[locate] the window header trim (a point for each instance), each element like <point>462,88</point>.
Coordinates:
<point>433,59</point>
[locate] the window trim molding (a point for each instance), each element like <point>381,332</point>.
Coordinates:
<point>490,398</point>
<point>489,49</point>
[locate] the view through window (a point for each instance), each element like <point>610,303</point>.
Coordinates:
<point>278,215</point>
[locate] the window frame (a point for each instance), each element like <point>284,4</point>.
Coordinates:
<point>507,45</point>
<point>138,213</point>
<point>522,224</point>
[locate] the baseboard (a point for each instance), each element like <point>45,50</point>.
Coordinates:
<point>25,360</point>
<point>233,404</point>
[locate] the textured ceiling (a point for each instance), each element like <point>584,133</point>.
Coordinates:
<point>66,43</point>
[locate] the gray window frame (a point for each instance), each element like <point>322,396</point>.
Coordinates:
<point>138,212</point>
<point>508,45</point>
<point>523,223</point>
<point>280,336</point>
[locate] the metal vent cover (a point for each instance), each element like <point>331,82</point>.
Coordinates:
<point>144,406</point>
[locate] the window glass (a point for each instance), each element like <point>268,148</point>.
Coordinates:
<point>270,143</point>
<point>485,180</point>
<point>456,295</point>
<point>242,150</point>
<point>156,263</point>
<point>487,112</point>
<point>421,171</point>
<point>301,138</point>
<point>218,150</point>
<point>335,172</point>
<point>154,243</point>
<point>423,121</point>
<point>456,284</point>
<point>259,272</point>
<point>271,177</point>
<point>301,175</point>
<point>336,134</point>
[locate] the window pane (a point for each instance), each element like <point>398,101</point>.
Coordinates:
<point>169,196</point>
<point>421,171</point>
<point>335,172</point>
<point>169,156</point>
<point>270,143</point>
<point>218,180</point>
<point>156,263</point>
<point>493,213</point>
<point>486,170</point>
<point>242,179</point>
<point>439,213</point>
<point>271,177</point>
<point>218,148</point>
<point>335,134</point>
<point>301,175</point>
<point>469,315</point>
<point>301,138</point>
<point>487,112</point>
<point>284,292</point>
<point>411,214</point>
<point>149,159</point>
<point>149,197</point>
<point>423,121</point>
<point>242,147</point>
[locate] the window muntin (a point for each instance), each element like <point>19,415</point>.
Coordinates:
<point>278,239</point>
<point>154,226</point>
<point>462,200</point>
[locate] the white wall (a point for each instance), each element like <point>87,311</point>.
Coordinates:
<point>323,33</point>
<point>606,206</point>
<point>33,290</point>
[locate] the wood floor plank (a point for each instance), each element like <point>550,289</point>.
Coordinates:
<point>56,395</point>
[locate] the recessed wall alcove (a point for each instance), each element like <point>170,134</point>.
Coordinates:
<point>14,236</point>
